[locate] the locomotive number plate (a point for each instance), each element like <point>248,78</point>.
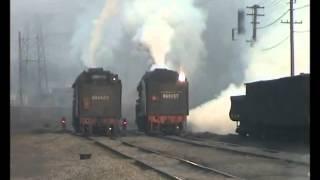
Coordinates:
<point>101,98</point>
<point>170,95</point>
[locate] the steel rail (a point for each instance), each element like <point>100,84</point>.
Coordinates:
<point>199,144</point>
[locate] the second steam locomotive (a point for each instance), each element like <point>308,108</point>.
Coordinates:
<point>162,105</point>
<point>96,102</point>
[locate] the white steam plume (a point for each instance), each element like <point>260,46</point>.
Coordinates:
<point>170,29</point>
<point>156,34</point>
<point>97,32</point>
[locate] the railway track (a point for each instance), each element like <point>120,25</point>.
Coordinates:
<point>240,149</point>
<point>241,164</point>
<point>168,165</point>
<point>234,148</point>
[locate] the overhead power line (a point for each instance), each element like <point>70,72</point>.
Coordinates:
<point>302,31</point>
<point>274,11</point>
<point>301,7</point>
<point>53,34</point>
<point>276,45</point>
<point>261,2</point>
<point>275,4</point>
<point>276,20</point>
<point>265,2</point>
<point>276,7</point>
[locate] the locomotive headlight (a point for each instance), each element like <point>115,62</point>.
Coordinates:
<point>154,98</point>
<point>114,78</point>
<point>182,77</point>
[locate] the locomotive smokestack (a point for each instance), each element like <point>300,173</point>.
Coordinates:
<point>158,66</point>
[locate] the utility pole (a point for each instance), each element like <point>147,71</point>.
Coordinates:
<point>291,37</point>
<point>40,60</point>
<point>20,70</point>
<point>28,57</point>
<point>43,57</point>
<point>32,50</point>
<point>254,21</point>
<point>39,63</point>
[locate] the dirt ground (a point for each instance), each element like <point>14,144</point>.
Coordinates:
<point>40,155</point>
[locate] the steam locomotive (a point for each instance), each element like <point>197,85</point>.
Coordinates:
<point>274,108</point>
<point>96,102</point>
<point>162,105</point>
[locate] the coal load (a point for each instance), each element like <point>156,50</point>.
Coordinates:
<point>279,107</point>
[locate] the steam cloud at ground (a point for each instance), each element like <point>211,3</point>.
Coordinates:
<point>213,116</point>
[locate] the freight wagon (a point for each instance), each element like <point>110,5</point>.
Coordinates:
<point>279,107</point>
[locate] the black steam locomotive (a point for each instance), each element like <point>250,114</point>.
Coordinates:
<point>274,108</point>
<point>96,102</point>
<point>162,105</point>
